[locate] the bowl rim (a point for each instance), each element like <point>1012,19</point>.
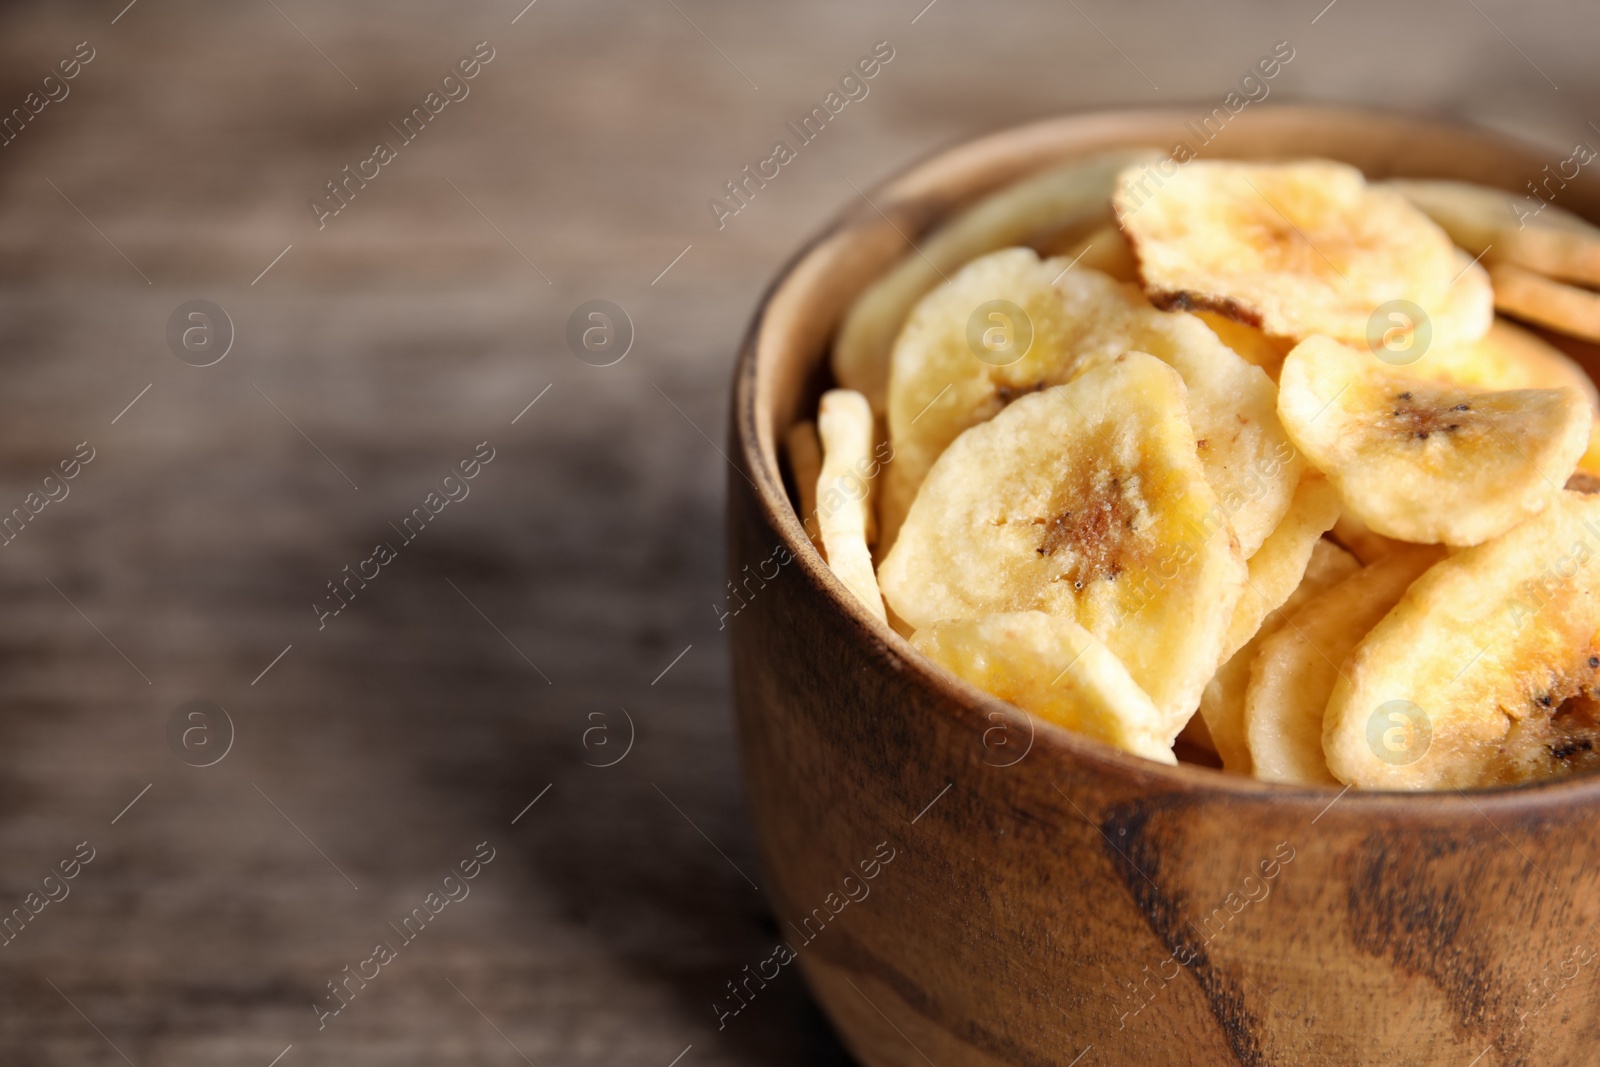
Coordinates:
<point>970,706</point>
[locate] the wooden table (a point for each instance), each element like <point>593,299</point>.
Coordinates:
<point>492,660</point>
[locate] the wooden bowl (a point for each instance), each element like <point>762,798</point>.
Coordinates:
<point>959,889</point>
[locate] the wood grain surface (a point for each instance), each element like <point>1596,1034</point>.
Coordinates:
<point>580,576</point>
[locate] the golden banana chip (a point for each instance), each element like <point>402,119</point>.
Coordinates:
<point>1049,324</point>
<point>1296,249</point>
<point>1486,670</point>
<point>844,493</point>
<point>1223,700</point>
<point>1355,536</point>
<point>1424,462</point>
<point>1104,249</point>
<point>1510,357</point>
<point>1257,348</point>
<point>805,461</point>
<point>1564,308</point>
<point>1055,669</point>
<point>1502,227</point>
<point>1294,670</point>
<point>1277,569</point>
<point>1049,202</point>
<point>1507,357</point>
<point>1086,501</point>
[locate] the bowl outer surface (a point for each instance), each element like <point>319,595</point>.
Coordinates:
<point>1044,893</point>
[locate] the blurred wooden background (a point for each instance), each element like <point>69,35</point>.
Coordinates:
<point>579,576</point>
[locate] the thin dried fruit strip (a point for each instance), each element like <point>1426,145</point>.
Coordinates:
<point>844,493</point>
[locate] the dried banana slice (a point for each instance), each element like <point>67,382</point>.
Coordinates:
<point>805,461</point>
<point>1296,249</point>
<point>1506,228</point>
<point>1222,703</point>
<point>1255,347</point>
<point>1049,324</point>
<point>1055,669</point>
<point>1424,462</point>
<point>1358,538</point>
<point>1086,501</point>
<point>1276,570</point>
<point>1507,357</point>
<point>1510,357</point>
<point>1049,202</point>
<point>1104,250</point>
<point>1486,670</point>
<point>1294,671</point>
<point>844,493</point>
<point>1563,308</point>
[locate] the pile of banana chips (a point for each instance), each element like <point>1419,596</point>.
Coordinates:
<point>1236,460</point>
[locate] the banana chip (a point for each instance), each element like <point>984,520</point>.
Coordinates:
<point>1223,700</point>
<point>1045,204</point>
<point>1510,357</point>
<point>1564,308</point>
<point>1055,669</point>
<point>1500,226</point>
<point>1087,501</point>
<point>1354,535</point>
<point>1507,357</point>
<point>1257,348</point>
<point>1049,324</point>
<point>1296,249</point>
<point>1294,670</point>
<point>1485,672</point>
<point>1104,250</point>
<point>1277,569</point>
<point>805,461</point>
<point>844,493</point>
<point>1423,462</point>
